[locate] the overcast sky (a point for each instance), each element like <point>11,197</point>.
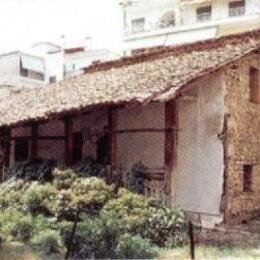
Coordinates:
<point>23,22</point>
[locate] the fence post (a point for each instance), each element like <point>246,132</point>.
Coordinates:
<point>192,244</point>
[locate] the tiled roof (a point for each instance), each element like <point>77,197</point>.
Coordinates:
<point>157,75</point>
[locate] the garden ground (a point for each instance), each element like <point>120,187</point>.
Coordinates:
<point>238,242</point>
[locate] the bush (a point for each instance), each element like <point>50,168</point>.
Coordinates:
<point>33,170</point>
<point>15,225</point>
<point>90,168</point>
<point>22,230</point>
<point>132,209</point>
<point>135,178</point>
<point>39,198</point>
<point>166,227</point>
<point>95,238</point>
<point>135,247</point>
<point>91,194</point>
<point>48,241</point>
<point>65,206</point>
<point>10,193</point>
<point>63,179</point>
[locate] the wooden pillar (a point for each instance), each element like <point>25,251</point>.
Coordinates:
<point>68,127</point>
<point>6,135</point>
<point>112,126</point>
<point>170,144</point>
<point>34,142</point>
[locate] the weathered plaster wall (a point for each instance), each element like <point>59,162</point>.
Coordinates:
<point>145,146</point>
<point>200,163</point>
<point>243,142</point>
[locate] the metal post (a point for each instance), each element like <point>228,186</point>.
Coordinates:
<point>192,244</point>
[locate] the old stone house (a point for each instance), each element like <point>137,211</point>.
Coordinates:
<point>190,114</point>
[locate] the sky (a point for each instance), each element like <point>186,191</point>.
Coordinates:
<point>23,22</point>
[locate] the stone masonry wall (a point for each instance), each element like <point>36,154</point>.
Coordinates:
<point>242,142</point>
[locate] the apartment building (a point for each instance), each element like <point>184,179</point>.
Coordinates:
<point>149,23</point>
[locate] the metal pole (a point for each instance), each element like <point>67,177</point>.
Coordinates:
<point>192,244</point>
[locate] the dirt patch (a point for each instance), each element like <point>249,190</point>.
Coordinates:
<point>246,236</point>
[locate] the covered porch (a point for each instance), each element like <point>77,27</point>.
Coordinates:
<point>116,136</point>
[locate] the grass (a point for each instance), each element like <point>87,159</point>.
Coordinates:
<point>212,252</point>
<point>18,251</point>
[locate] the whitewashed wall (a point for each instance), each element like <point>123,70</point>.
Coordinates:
<point>200,163</point>
<point>9,69</point>
<point>147,147</point>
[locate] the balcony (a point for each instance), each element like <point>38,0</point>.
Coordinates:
<point>152,28</point>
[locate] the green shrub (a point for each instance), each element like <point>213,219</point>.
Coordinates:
<point>132,209</point>
<point>136,178</point>
<point>65,206</point>
<point>22,230</point>
<point>166,227</point>
<point>90,168</point>
<point>10,193</point>
<point>15,225</point>
<point>94,238</point>
<point>39,198</point>
<point>41,223</point>
<point>48,241</point>
<point>134,247</point>
<point>33,170</point>
<point>63,179</point>
<point>91,193</point>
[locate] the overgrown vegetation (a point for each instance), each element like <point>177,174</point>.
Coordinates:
<point>78,213</point>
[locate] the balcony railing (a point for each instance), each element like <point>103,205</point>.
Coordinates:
<point>151,28</point>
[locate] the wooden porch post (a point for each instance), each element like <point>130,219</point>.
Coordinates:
<point>34,143</point>
<point>6,135</point>
<point>170,144</point>
<point>112,125</point>
<point>68,127</point>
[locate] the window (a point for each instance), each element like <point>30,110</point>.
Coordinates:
<point>167,20</point>
<point>254,84</point>
<point>30,73</point>
<point>21,150</point>
<point>247,178</point>
<point>52,79</point>
<point>237,8</point>
<point>204,14</point>
<point>138,25</point>
<point>77,152</point>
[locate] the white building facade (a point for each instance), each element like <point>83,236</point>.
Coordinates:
<point>46,63</point>
<point>40,65</point>
<point>76,59</point>
<point>149,23</point>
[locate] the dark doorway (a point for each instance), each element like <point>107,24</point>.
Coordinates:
<point>77,152</point>
<point>21,150</point>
